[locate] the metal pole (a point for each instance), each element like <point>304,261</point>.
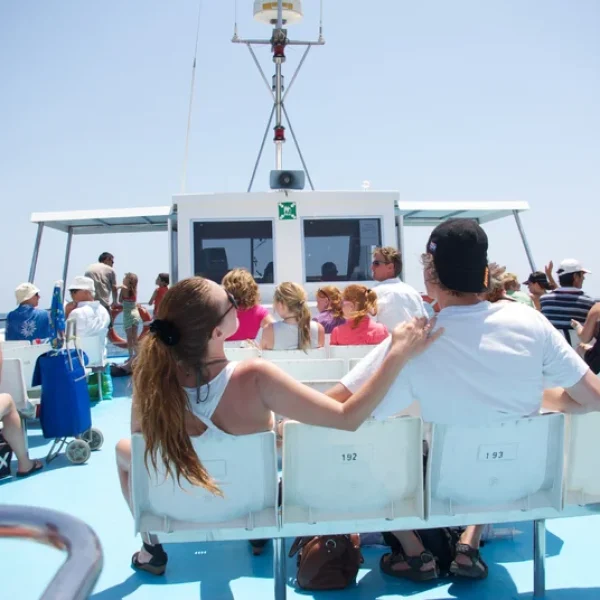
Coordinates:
<point>524,239</point>
<point>400,240</point>
<point>77,577</point>
<point>173,256</point>
<point>279,574</point>
<point>36,251</point>
<point>67,258</point>
<point>278,118</point>
<point>279,14</point>
<point>539,558</point>
<point>312,187</point>
<point>262,147</point>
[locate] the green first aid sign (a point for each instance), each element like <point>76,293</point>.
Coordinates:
<point>287,211</point>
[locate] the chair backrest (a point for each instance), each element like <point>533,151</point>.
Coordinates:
<point>516,465</point>
<point>311,353</point>
<point>349,352</point>
<point>582,485</point>
<point>14,344</point>
<point>352,362</point>
<point>338,478</point>
<point>28,356</point>
<point>244,467</point>
<point>13,382</point>
<point>95,348</point>
<point>311,369</point>
<point>239,354</point>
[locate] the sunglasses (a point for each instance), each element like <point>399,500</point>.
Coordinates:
<point>233,305</point>
<point>377,263</point>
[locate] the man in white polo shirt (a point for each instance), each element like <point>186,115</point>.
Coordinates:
<point>461,379</point>
<point>396,301</point>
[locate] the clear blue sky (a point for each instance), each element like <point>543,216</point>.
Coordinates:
<point>463,100</point>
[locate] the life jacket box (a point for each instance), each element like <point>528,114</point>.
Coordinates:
<point>65,402</point>
<point>5,457</point>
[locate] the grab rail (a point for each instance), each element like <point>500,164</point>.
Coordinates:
<point>77,577</point>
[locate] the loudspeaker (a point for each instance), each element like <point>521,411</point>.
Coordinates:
<point>287,180</point>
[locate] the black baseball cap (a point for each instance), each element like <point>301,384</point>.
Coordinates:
<point>459,249</point>
<point>538,277</point>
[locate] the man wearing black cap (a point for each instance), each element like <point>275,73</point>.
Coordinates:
<point>538,285</point>
<point>461,378</point>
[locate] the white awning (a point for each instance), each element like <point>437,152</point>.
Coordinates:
<point>117,220</point>
<point>434,213</point>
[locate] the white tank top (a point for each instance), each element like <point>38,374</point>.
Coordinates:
<point>204,400</point>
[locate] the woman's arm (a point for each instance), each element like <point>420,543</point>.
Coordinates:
<point>321,336</point>
<point>267,321</point>
<point>548,270</point>
<point>120,297</point>
<point>287,397</point>
<point>587,332</point>
<point>267,340</point>
<point>152,298</point>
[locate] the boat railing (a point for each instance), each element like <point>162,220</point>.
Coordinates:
<point>77,577</point>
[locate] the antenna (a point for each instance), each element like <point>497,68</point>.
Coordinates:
<point>278,14</point>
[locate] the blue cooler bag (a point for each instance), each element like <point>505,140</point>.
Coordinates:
<point>65,402</point>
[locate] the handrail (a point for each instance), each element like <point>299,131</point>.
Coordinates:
<point>77,577</point>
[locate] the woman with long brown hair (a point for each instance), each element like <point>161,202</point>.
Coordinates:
<point>183,385</point>
<point>358,304</point>
<point>295,331</point>
<point>329,305</point>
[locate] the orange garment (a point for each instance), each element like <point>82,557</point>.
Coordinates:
<point>160,294</point>
<point>367,333</point>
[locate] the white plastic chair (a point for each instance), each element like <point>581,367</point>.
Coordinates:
<point>349,352</point>
<point>239,354</point>
<point>28,356</point>
<point>344,482</point>
<point>313,369</point>
<point>13,383</point>
<point>245,469</point>
<point>582,485</point>
<point>14,344</point>
<point>311,353</point>
<point>511,466</point>
<point>352,363</point>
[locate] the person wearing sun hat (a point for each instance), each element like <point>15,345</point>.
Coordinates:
<point>569,302</point>
<point>27,322</point>
<point>461,378</point>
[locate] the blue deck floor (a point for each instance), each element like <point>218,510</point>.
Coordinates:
<point>227,570</point>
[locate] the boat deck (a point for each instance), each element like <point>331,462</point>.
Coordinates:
<point>215,571</point>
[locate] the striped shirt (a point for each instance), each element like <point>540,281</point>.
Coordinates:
<point>564,304</point>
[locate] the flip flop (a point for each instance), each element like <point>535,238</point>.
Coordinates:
<point>37,466</point>
<point>157,564</point>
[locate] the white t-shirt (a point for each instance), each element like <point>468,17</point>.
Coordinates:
<point>491,364</point>
<point>91,319</point>
<point>397,302</point>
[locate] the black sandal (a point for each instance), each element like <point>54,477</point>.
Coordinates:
<point>157,564</point>
<point>415,563</point>
<point>37,466</point>
<point>476,570</point>
<point>258,546</point>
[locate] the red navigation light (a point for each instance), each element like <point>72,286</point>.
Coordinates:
<point>279,134</point>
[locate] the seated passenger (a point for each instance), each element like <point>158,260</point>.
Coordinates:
<point>358,302</point>
<point>512,288</point>
<point>295,331</point>
<point>251,315</point>
<point>329,271</point>
<point>27,322</point>
<point>90,317</point>
<point>329,304</point>
<point>13,433</point>
<point>587,332</point>
<point>461,380</point>
<point>183,377</point>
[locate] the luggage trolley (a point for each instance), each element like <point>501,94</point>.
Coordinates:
<point>65,404</point>
<point>77,577</point>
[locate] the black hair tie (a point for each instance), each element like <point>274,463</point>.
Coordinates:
<point>165,331</point>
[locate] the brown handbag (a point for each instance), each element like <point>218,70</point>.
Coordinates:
<point>327,562</point>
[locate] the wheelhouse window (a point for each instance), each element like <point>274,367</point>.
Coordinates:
<point>220,246</point>
<point>340,249</point>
